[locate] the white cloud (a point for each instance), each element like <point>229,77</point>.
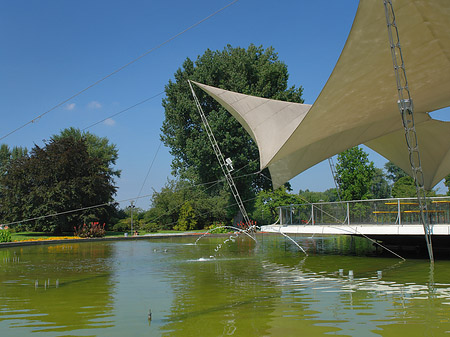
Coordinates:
<point>94,105</point>
<point>70,106</point>
<point>109,122</point>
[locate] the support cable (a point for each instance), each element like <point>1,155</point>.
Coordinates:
<point>124,110</point>
<point>406,108</point>
<point>119,69</point>
<point>148,172</point>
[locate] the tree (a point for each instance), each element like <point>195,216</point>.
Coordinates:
<point>405,187</point>
<point>312,196</point>
<point>394,172</point>
<point>380,188</point>
<point>180,200</point>
<point>6,156</point>
<point>268,202</point>
<point>97,147</point>
<point>255,71</point>
<point>447,183</point>
<point>354,173</point>
<point>59,177</point>
<point>187,219</point>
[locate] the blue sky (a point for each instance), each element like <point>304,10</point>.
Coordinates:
<point>52,49</point>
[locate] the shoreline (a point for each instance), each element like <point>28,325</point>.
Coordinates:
<point>113,238</point>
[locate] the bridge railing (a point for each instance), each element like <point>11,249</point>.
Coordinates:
<point>399,211</point>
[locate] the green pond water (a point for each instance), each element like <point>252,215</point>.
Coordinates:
<point>264,289</point>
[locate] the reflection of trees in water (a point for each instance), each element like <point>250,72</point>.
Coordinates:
<point>272,291</point>
<point>81,299</point>
<point>233,295</point>
<point>321,244</point>
<point>216,297</point>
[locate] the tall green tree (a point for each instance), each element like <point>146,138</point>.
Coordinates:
<point>6,156</point>
<point>354,173</point>
<point>255,71</point>
<point>59,177</point>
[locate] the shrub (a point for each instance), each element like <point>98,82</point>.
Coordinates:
<point>122,226</point>
<point>93,230</point>
<point>150,227</point>
<point>187,220</point>
<point>215,228</point>
<point>5,235</point>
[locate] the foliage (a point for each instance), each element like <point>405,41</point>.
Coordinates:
<point>217,228</point>
<point>59,177</point>
<point>187,219</point>
<point>394,173</point>
<point>5,235</point>
<point>267,203</point>
<point>97,147</point>
<point>255,71</point>
<point>406,187</point>
<point>93,230</point>
<point>447,183</point>
<point>6,156</point>
<point>168,203</point>
<point>379,188</point>
<point>354,173</point>
<point>150,227</point>
<point>312,197</point>
<point>123,225</point>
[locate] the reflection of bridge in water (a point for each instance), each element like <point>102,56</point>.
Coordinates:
<point>393,221</point>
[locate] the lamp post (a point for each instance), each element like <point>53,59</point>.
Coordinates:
<point>131,214</point>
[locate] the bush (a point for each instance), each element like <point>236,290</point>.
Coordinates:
<point>150,227</point>
<point>93,230</point>
<point>122,226</point>
<point>215,228</point>
<point>5,235</point>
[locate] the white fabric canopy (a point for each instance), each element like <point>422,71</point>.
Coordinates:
<point>359,102</point>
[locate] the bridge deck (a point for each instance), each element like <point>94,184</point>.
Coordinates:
<point>358,229</point>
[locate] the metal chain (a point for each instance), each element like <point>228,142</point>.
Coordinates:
<point>406,108</point>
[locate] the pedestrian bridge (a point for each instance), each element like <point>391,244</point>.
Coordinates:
<point>389,220</point>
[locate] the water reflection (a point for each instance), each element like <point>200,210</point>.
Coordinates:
<point>278,292</point>
<point>264,289</point>
<point>55,288</point>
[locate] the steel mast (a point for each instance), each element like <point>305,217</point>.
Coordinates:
<point>225,164</point>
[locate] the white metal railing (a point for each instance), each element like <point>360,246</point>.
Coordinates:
<point>400,211</point>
